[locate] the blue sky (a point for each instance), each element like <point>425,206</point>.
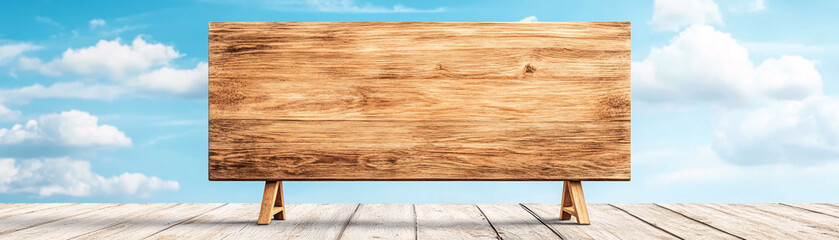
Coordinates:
<point>105,101</point>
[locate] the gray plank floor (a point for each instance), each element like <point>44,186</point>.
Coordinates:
<point>420,221</point>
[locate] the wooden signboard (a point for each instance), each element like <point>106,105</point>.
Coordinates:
<point>419,101</point>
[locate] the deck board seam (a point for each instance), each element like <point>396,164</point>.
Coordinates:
<point>115,224</point>
<point>347,224</point>
<point>647,222</point>
<point>558,234</point>
<point>31,211</point>
<point>807,209</point>
<point>55,220</point>
<point>185,220</point>
<point>497,235</point>
<point>700,222</point>
<point>416,224</point>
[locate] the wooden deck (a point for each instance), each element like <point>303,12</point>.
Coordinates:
<point>420,221</point>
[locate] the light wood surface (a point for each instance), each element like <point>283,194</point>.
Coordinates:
<point>419,101</point>
<point>369,222</point>
<point>399,221</point>
<point>607,222</point>
<point>460,221</point>
<point>672,222</point>
<point>749,223</point>
<point>513,222</point>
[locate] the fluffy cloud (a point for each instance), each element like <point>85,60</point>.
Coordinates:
<point>802,132</point>
<point>702,65</point>
<point>175,82</point>
<point>529,19</point>
<point>97,23</point>
<point>61,90</point>
<point>71,128</point>
<point>64,176</point>
<point>7,114</point>
<point>671,15</point>
<point>10,52</point>
<point>109,59</point>
<point>789,78</point>
<point>142,68</point>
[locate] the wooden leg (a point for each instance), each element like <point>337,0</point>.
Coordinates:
<point>574,203</point>
<point>270,204</point>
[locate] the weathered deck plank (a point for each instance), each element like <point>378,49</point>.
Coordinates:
<point>460,221</point>
<point>744,221</point>
<point>382,221</point>
<point>143,225</point>
<point>406,221</point>
<point>607,222</point>
<point>674,223</point>
<point>304,221</point>
<point>823,208</point>
<point>40,217</point>
<point>87,222</point>
<point>513,222</point>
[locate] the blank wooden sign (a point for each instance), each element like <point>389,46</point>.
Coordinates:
<point>419,101</point>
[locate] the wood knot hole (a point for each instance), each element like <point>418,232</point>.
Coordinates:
<point>528,69</point>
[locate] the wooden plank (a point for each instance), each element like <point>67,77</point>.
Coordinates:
<point>142,225</point>
<point>452,221</point>
<point>216,224</point>
<point>679,225</point>
<point>513,222</point>
<point>435,101</point>
<point>746,222</point>
<point>40,217</point>
<point>14,209</point>
<point>394,161</point>
<point>607,222</point>
<point>823,208</point>
<point>555,134</point>
<point>87,222</point>
<point>382,221</point>
<point>449,70</point>
<point>823,222</point>
<point>306,221</point>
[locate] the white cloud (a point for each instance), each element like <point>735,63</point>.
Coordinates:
<point>749,6</point>
<point>672,15</point>
<point>351,7</point>
<point>10,52</point>
<point>109,59</point>
<point>699,65</point>
<point>176,82</point>
<point>529,19</point>
<point>72,128</point>
<point>702,65</point>
<point>789,77</point>
<point>78,90</point>
<point>64,176</point>
<point>800,132</point>
<point>7,114</point>
<point>97,23</point>
<point>141,68</point>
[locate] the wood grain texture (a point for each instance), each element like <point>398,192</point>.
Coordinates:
<point>749,222</point>
<point>513,222</point>
<point>310,221</point>
<point>31,219</point>
<point>452,221</point>
<point>607,222</point>
<point>419,101</point>
<point>155,220</point>
<point>382,221</point>
<point>667,220</point>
